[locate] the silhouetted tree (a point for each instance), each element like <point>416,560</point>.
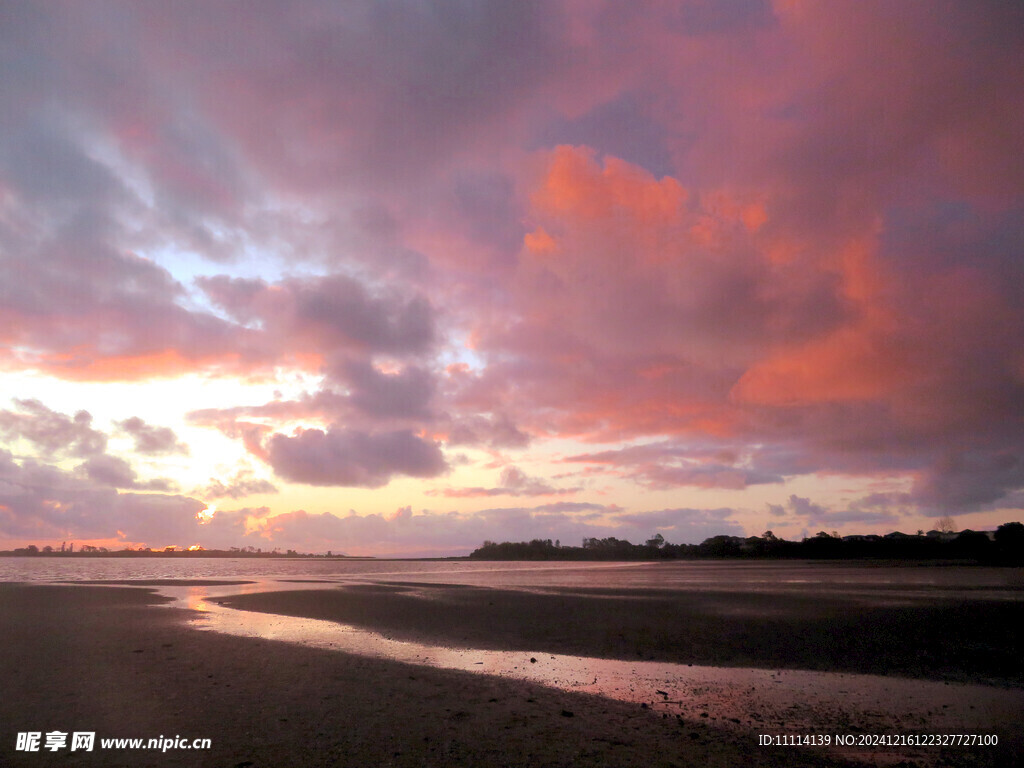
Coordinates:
<point>657,541</point>
<point>1009,541</point>
<point>973,544</point>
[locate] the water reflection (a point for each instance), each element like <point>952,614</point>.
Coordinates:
<point>195,599</point>
<point>768,700</point>
<point>768,576</point>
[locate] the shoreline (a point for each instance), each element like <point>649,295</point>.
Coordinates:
<point>89,657</point>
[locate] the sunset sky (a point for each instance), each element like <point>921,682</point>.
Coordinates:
<point>393,278</point>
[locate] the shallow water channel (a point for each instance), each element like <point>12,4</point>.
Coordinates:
<point>763,700</point>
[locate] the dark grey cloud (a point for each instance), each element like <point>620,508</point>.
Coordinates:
<point>970,481</point>
<point>623,127</point>
<point>874,511</point>
<point>49,168</point>
<point>406,394</point>
<point>115,472</point>
<point>397,92</point>
<point>241,485</point>
<point>332,312</point>
<point>152,440</point>
<point>347,457</point>
<point>669,464</point>
<point>496,430</point>
<point>50,432</point>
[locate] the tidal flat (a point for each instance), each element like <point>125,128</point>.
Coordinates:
<point>483,668</point>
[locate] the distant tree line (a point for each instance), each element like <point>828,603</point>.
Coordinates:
<point>1003,546</point>
<point>87,550</point>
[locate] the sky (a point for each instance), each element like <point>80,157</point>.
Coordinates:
<point>385,278</point>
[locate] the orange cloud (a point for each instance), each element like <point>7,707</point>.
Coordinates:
<point>577,185</point>
<point>539,242</point>
<point>861,360</point>
<point>851,364</point>
<point>87,365</point>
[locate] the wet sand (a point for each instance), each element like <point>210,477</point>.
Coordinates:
<point>949,640</point>
<point>109,661</point>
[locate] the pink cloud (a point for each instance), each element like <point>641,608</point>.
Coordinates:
<point>513,482</point>
<point>41,502</point>
<point>427,533</point>
<point>239,486</point>
<point>88,312</point>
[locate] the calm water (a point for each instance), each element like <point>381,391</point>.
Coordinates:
<point>840,578</point>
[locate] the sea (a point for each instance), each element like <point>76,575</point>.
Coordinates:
<point>883,579</point>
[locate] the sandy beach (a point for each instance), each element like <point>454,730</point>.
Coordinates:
<point>114,662</point>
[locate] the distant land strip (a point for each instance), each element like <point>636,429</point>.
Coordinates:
<point>1004,546</point>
